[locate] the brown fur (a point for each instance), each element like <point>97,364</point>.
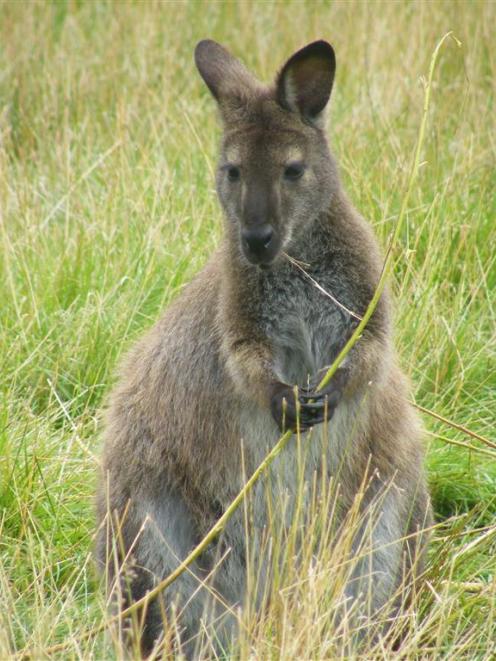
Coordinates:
<point>229,349</point>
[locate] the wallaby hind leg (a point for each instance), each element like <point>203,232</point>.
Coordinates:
<point>149,541</point>
<point>389,559</point>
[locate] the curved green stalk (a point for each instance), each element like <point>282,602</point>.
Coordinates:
<point>399,224</point>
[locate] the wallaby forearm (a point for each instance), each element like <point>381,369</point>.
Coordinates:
<point>250,365</point>
<point>366,363</point>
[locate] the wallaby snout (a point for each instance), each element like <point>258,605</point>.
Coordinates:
<point>260,243</point>
<point>260,228</point>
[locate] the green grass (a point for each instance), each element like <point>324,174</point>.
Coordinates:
<point>107,151</point>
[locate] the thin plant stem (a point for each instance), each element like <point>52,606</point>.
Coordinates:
<point>455,425</point>
<point>388,262</point>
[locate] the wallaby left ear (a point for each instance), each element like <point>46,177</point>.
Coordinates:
<point>305,82</point>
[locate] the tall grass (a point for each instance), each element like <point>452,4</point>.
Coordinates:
<point>107,151</point>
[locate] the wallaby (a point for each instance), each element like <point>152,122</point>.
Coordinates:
<point>208,390</point>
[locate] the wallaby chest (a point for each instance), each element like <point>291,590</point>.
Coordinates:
<point>304,325</point>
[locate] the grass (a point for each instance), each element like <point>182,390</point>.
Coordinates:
<point>107,152</point>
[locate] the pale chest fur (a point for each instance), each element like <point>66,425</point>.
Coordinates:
<point>306,463</point>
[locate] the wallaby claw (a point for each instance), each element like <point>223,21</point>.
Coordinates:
<point>306,407</point>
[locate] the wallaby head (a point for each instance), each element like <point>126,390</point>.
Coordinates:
<point>276,174</point>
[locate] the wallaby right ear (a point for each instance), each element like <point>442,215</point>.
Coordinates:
<point>228,80</point>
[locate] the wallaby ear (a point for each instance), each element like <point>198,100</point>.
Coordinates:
<point>225,76</point>
<point>305,82</point>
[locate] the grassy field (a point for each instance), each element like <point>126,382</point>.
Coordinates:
<point>107,207</point>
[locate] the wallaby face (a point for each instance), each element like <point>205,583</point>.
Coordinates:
<point>275,173</point>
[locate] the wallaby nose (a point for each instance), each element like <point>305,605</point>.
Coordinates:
<point>257,239</point>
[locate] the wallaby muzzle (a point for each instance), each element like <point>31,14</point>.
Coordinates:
<point>260,243</point>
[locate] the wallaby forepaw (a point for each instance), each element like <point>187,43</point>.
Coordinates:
<point>300,409</point>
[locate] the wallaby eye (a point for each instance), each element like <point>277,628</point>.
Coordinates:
<point>233,173</point>
<point>294,171</point>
